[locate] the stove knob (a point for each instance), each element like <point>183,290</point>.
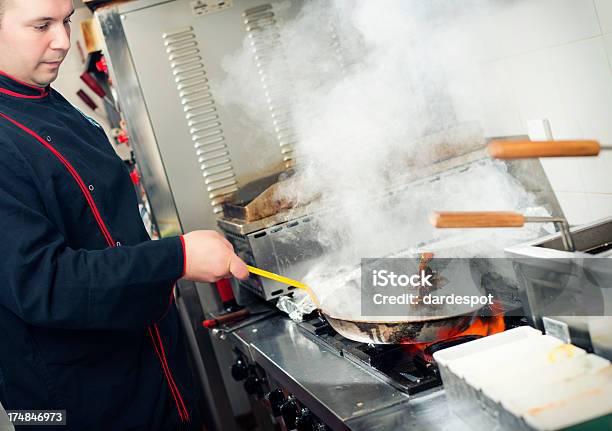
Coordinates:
<point>240,369</point>
<point>276,398</point>
<point>252,385</point>
<point>304,421</point>
<point>289,411</point>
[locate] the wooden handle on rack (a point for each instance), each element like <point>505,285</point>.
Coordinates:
<point>226,318</point>
<point>477,219</point>
<point>525,149</point>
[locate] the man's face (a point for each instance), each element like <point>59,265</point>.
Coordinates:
<point>34,39</point>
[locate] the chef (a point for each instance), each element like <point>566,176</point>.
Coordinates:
<point>87,320</point>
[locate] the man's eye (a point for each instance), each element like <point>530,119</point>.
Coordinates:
<point>41,27</point>
<point>68,21</point>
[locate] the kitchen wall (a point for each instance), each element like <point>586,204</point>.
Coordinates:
<point>552,59</point>
<point>541,60</point>
<point>68,81</point>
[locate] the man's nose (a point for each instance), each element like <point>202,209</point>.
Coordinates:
<point>60,38</point>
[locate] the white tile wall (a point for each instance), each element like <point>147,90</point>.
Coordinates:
<point>608,45</point>
<point>500,114</point>
<point>512,28</point>
<point>597,173</point>
<point>585,83</point>
<point>604,12</point>
<point>576,207</point>
<point>553,59</point>
<point>600,205</point>
<point>565,174</point>
<point>586,88</point>
<point>539,94</point>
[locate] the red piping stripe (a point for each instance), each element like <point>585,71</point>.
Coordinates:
<point>166,371</point>
<point>184,256</point>
<point>157,353</point>
<point>23,96</point>
<point>185,413</point>
<point>163,353</point>
<point>33,87</point>
<point>74,174</point>
<point>178,400</point>
<point>111,242</point>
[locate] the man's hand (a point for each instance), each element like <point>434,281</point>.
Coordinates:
<point>210,257</point>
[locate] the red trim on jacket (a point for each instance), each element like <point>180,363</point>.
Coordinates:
<point>43,91</point>
<point>74,174</point>
<point>159,351</point>
<point>34,87</point>
<point>22,96</point>
<point>165,361</point>
<point>180,405</point>
<point>184,256</point>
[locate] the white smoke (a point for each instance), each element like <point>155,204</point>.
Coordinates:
<point>376,91</point>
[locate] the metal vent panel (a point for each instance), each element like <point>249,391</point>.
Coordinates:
<point>201,114</point>
<point>267,49</point>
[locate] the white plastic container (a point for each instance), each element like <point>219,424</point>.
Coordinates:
<point>590,411</point>
<point>464,399</point>
<point>560,398</point>
<point>505,385</point>
<point>536,351</point>
<point>522,380</point>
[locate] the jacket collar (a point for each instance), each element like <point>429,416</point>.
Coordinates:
<point>16,88</point>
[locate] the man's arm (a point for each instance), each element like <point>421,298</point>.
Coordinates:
<point>47,283</point>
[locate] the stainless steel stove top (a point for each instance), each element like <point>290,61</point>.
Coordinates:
<point>408,368</point>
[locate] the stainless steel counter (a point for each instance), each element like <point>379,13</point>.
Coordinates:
<point>339,392</point>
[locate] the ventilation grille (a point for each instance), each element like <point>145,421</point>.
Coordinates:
<point>336,45</point>
<point>265,40</point>
<point>201,114</point>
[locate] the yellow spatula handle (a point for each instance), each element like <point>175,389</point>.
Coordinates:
<point>284,280</point>
<point>276,277</point>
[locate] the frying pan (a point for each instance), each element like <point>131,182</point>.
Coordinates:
<point>406,331</point>
<point>445,323</point>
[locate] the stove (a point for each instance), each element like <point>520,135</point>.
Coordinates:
<point>396,364</point>
<point>408,368</point>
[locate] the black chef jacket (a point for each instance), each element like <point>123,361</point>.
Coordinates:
<point>87,322</point>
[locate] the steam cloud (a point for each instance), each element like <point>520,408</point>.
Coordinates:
<point>374,92</point>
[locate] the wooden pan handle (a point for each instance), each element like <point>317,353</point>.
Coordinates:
<point>525,149</point>
<point>477,219</point>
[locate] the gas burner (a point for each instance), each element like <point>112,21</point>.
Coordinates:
<point>395,364</point>
<point>317,325</point>
<point>409,368</point>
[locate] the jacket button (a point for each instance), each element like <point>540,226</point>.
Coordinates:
<point>91,188</point>
<point>48,138</point>
<point>118,243</point>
